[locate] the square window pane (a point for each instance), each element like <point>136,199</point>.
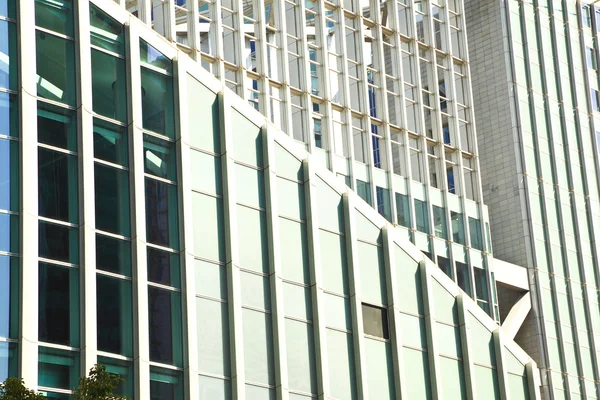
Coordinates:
<point>110,143</point>
<point>55,60</point>
<point>57,185</point>
<point>58,368</point>
<point>163,267</point>
<point>122,368</point>
<point>9,299</point>
<point>164,308</point>
<point>106,32</point>
<point>115,320</point>
<point>151,56</point>
<point>58,242</point>
<point>161,214</point>
<point>165,384</point>
<point>8,49</point>
<point>109,86</point>
<point>9,233</point>
<point>157,103</point>
<point>9,360</point>
<point>56,15</point>
<point>58,305</point>
<point>375,321</point>
<point>159,158</point>
<point>9,115</point>
<point>113,255</point>
<point>111,188</point>
<point>57,126</point>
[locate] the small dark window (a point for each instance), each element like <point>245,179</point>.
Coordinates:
<point>375,322</point>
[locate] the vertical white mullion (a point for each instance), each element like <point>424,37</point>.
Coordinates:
<point>239,33</point>
<point>533,380</point>
<point>355,299</point>
<point>262,61</point>
<point>324,83</point>
<point>186,234</point>
<point>145,11</point>
<point>275,268</point>
<point>500,365</point>
<point>305,78</point>
<point>87,233</point>
<point>164,18</point>
<point>234,295</point>
<point>217,37</point>
<point>394,301</point>
<point>280,24</point>
<point>141,351</point>
<point>379,63</point>
<point>397,56</point>
<point>193,30</point>
<point>430,325</point>
<point>28,173</point>
<point>465,337</point>
<point>316,280</point>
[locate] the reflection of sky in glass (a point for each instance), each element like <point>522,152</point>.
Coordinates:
<point>4,57</point>
<point>4,355</point>
<point>4,235</point>
<point>4,296</point>
<point>4,171</point>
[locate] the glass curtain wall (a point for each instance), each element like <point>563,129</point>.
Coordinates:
<point>162,229</point>
<point>9,190</point>
<point>58,205</point>
<point>112,198</point>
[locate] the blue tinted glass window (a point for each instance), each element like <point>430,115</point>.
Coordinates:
<point>9,233</point>
<point>8,50</point>
<point>9,360</point>
<point>9,115</point>
<point>9,299</point>
<point>9,175</point>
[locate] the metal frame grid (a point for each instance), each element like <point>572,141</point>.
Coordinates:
<point>28,337</point>
<point>331,74</point>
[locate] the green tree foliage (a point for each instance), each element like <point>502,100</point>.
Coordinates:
<point>99,385</point>
<point>14,389</point>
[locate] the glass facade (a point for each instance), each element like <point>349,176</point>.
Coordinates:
<point>201,253</point>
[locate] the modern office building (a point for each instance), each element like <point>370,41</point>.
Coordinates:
<point>155,218</point>
<point>535,81</point>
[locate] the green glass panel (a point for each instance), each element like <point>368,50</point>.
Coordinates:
<point>163,267</point>
<point>211,279</point>
<point>151,56</point>
<point>444,265</point>
<point>250,186</point>
<point>122,368</point>
<point>110,143</point>
<point>55,60</point>
<point>452,379</point>
<point>253,250</point>
<point>113,255</point>
<point>57,126</point>
<point>9,115</point>
<point>481,286</point>
<point>301,360</point>
<point>9,298</point>
<point>297,301</point>
<point>111,189</point>
<point>475,232</point>
<point>165,384</point>
<point>58,368</point>
<point>9,361</point>
<point>164,309</point>
<point>342,376</point>
<point>334,267</point>
<point>364,191</point>
<point>57,185</point>
<point>115,320</point>
<point>58,305</point>
<point>290,197</point>
<point>209,181</point>
<point>58,242</point>
<point>55,15</point>
<point>162,226</point>
<point>458,227</point>
<point>209,227</point>
<point>402,210</point>
<point>383,203</point>
<point>8,8</point>
<point>294,250</point>
<point>106,32</point>
<point>380,370</point>
<point>109,86</point>
<point>255,291</point>
<point>8,49</point>
<point>159,158</point>
<point>247,140</point>
<point>157,103</point>
<point>439,222</point>
<point>421,215</point>
<point>372,273</point>
<point>9,233</point>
